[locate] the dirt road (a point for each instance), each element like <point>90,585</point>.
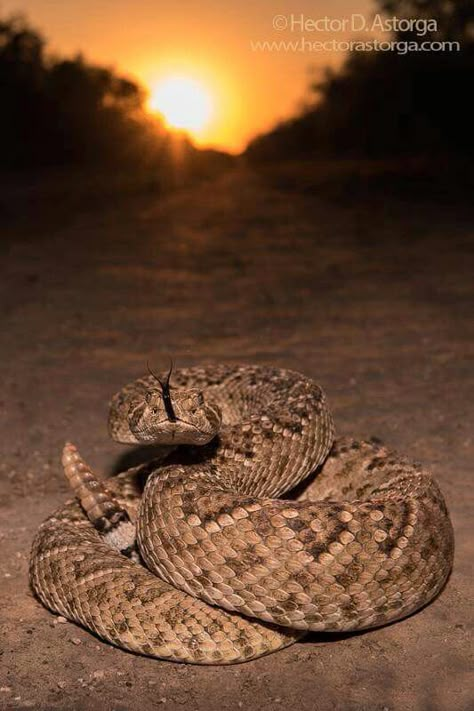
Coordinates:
<point>373,299</point>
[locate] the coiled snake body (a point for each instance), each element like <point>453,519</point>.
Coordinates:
<point>232,570</point>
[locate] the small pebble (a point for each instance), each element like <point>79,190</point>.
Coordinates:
<point>75,640</point>
<point>62,684</point>
<point>99,674</point>
<point>60,620</point>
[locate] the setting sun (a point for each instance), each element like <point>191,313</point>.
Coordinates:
<point>184,103</point>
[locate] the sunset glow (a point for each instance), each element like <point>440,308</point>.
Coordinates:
<point>233,92</point>
<point>183,102</point>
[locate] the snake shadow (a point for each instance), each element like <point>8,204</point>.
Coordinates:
<point>136,457</point>
<point>149,455</point>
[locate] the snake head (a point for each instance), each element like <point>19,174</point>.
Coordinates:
<point>174,416</point>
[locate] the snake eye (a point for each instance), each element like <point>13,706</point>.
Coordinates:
<point>200,399</point>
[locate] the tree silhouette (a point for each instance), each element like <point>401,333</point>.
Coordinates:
<point>389,103</point>
<point>454,18</point>
<point>68,112</point>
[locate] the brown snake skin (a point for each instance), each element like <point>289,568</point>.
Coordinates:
<point>232,571</point>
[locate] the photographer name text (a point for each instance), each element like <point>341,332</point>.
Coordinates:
<point>298,22</point>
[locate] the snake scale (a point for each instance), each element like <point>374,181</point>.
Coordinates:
<point>195,557</point>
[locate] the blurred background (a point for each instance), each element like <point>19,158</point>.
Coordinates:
<point>241,182</point>
<point>179,92</point>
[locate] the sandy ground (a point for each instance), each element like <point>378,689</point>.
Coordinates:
<point>373,298</point>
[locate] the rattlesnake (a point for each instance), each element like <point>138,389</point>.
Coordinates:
<point>232,570</point>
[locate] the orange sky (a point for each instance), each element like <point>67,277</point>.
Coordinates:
<point>209,40</point>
